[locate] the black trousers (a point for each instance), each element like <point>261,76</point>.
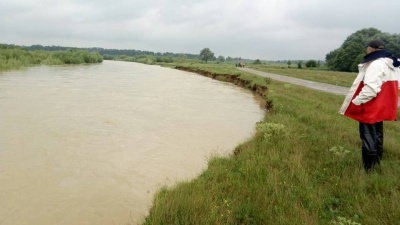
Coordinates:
<point>372,144</point>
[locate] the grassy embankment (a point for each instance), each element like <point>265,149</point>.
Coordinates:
<point>344,79</point>
<point>16,57</point>
<point>303,166</point>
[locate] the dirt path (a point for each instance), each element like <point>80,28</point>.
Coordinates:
<point>339,90</point>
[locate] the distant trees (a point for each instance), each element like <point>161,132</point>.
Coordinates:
<point>164,59</point>
<point>229,59</point>
<point>257,61</point>
<point>299,64</point>
<point>311,63</point>
<point>351,52</point>
<point>289,63</point>
<point>114,52</point>
<point>206,54</point>
<point>147,57</point>
<point>221,58</point>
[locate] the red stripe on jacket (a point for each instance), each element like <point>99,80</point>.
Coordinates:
<point>382,107</point>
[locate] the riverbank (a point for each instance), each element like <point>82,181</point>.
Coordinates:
<point>97,141</point>
<point>303,166</point>
<point>256,88</point>
<point>13,57</point>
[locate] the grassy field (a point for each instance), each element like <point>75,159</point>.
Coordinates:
<point>344,79</point>
<point>303,166</point>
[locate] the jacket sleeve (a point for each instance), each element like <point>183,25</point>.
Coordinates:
<point>373,81</point>
<point>398,75</point>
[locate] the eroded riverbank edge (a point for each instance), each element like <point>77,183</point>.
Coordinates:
<point>257,89</point>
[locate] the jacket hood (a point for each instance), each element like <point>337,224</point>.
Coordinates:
<point>390,63</point>
<point>396,62</point>
<point>382,54</point>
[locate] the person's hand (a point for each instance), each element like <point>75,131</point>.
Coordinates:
<point>355,109</point>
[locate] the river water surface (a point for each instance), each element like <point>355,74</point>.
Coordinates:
<point>91,144</point>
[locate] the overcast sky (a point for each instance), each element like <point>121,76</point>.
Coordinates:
<point>254,29</point>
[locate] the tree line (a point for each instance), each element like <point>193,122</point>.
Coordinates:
<point>345,58</point>
<point>134,55</point>
<point>351,52</point>
<point>110,53</point>
<point>138,55</point>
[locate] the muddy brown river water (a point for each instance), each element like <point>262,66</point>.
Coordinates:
<point>91,144</point>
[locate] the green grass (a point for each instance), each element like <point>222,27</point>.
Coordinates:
<point>302,167</point>
<point>16,57</point>
<point>324,76</point>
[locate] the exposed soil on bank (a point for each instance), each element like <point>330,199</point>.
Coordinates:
<point>257,89</point>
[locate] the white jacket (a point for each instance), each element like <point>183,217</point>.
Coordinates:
<point>373,96</point>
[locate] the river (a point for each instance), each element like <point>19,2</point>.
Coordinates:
<point>91,144</point>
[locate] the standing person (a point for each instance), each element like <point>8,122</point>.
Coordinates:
<point>372,99</point>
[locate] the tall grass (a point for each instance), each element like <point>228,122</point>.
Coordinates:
<point>16,57</point>
<point>303,166</point>
<point>146,59</point>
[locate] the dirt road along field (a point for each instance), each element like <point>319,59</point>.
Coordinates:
<point>339,90</point>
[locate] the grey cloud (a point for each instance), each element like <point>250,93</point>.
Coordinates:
<point>265,29</point>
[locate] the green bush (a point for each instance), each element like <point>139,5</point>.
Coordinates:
<point>257,61</point>
<point>311,63</point>
<point>16,57</point>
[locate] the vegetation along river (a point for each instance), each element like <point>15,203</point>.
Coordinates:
<point>91,144</point>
